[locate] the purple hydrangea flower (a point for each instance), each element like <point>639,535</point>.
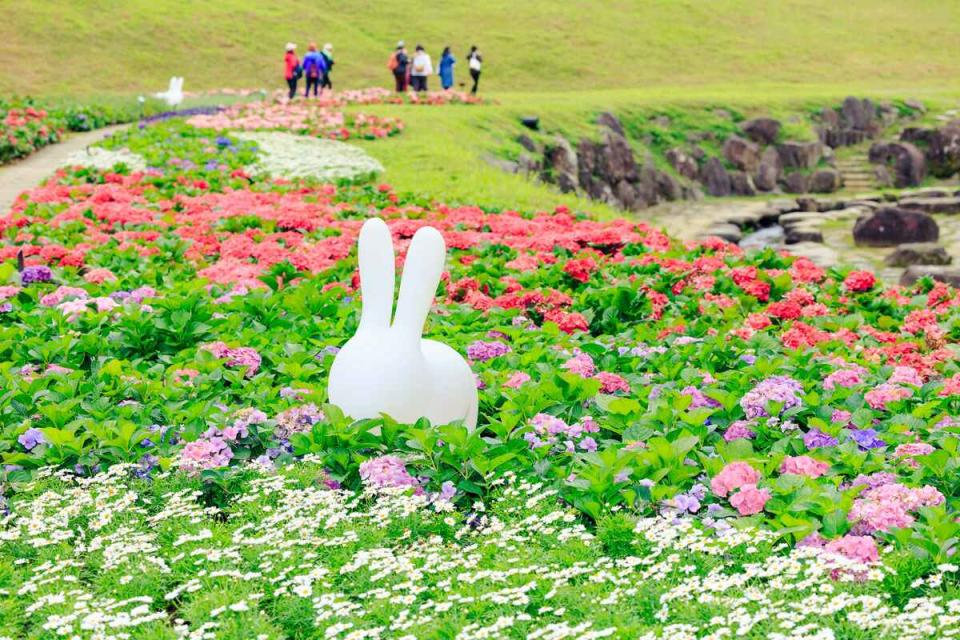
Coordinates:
<point>781,389</point>
<point>867,438</point>
<point>41,273</point>
<point>814,439</point>
<point>686,503</point>
<point>481,351</point>
<point>31,438</point>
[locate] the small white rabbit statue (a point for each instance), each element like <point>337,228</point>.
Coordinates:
<point>389,368</point>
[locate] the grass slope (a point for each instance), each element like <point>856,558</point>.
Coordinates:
<point>85,46</point>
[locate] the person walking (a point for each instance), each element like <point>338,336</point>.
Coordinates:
<point>421,70</point>
<point>446,68</point>
<point>327,54</point>
<point>314,67</point>
<point>292,69</point>
<point>474,61</point>
<point>398,64</point>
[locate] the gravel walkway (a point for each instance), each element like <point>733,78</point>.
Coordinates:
<point>27,173</point>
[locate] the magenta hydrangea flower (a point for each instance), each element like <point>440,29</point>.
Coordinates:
<point>581,364</point>
<point>517,379</point>
<point>205,453</point>
<point>739,430</point>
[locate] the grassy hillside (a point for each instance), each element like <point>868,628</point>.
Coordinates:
<point>88,46</point>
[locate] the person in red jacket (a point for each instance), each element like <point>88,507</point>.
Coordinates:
<point>292,69</point>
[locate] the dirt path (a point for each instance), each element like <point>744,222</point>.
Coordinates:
<point>31,171</point>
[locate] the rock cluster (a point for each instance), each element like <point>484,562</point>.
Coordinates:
<point>856,121</point>
<point>607,170</point>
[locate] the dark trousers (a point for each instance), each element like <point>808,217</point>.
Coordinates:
<point>312,82</point>
<point>292,83</point>
<point>419,83</point>
<point>475,74</point>
<point>401,79</point>
<point>325,82</point>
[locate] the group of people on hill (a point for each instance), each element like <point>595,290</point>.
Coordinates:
<point>413,72</point>
<point>408,72</point>
<point>315,69</point>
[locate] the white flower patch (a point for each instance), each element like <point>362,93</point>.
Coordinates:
<point>105,159</point>
<point>291,156</point>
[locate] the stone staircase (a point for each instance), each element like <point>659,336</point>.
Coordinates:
<point>857,173</point>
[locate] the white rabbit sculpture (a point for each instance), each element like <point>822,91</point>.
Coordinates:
<point>173,96</point>
<point>388,368</point>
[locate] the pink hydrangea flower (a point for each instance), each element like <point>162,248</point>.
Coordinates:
<point>737,430</point>
<point>612,383</point>
<point>911,450</point>
<point>886,393</point>
<point>951,386</point>
<point>61,294</point>
<point>860,548</point>
<point>733,476</point>
<point>749,500</point>
<point>205,453</point>
<point>236,357</point>
<point>386,472</point>
<point>804,466</point>
<point>906,375</point>
<point>516,380</point>
<point>99,276</point>
<point>846,377</point>
<point>581,364</point>
<point>841,416</point>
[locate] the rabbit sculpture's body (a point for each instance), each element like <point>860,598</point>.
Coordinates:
<point>388,368</point>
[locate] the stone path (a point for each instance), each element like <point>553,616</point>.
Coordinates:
<point>18,177</point>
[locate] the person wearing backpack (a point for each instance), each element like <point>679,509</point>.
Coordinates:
<point>422,69</point>
<point>398,66</point>
<point>474,61</point>
<point>327,55</point>
<point>314,67</point>
<point>292,69</point>
<point>446,68</point>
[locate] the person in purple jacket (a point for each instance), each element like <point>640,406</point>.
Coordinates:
<point>314,68</point>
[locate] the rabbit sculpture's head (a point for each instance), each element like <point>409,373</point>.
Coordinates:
<point>382,365</point>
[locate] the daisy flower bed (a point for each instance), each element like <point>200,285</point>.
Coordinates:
<point>676,440</point>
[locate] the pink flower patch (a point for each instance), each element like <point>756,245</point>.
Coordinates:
<point>804,466</point>
<point>749,500</point>
<point>733,476</point>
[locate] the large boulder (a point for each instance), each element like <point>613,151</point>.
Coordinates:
<point>909,254</point>
<point>769,170</point>
<point>891,226</point>
<point>561,165</point>
<point>795,182</point>
<point>742,184</point>
<point>741,153</point>
<point>683,163</point>
<point>825,181</point>
<point>943,151</point>
<point>610,121</point>
<point>589,153</point>
<point>950,275</point>
<point>799,155</point>
<point>617,162</point>
<point>762,130</point>
<point>859,115</point>
<point>669,187</point>
<point>715,178</point>
<point>906,162</point>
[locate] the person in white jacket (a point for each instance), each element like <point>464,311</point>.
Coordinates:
<point>420,69</point>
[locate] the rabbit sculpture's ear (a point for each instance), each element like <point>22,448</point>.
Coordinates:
<point>421,274</point>
<point>377,273</point>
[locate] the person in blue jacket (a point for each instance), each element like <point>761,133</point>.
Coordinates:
<point>314,68</point>
<point>446,68</point>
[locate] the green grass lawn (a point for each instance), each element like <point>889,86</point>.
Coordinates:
<point>85,46</point>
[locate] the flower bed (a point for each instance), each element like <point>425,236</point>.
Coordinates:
<point>23,130</point>
<point>291,556</point>
<point>183,320</point>
<point>292,156</point>
<point>301,117</point>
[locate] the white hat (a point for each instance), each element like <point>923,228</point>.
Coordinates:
<point>291,46</point>
<point>328,47</point>
<point>400,44</point>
